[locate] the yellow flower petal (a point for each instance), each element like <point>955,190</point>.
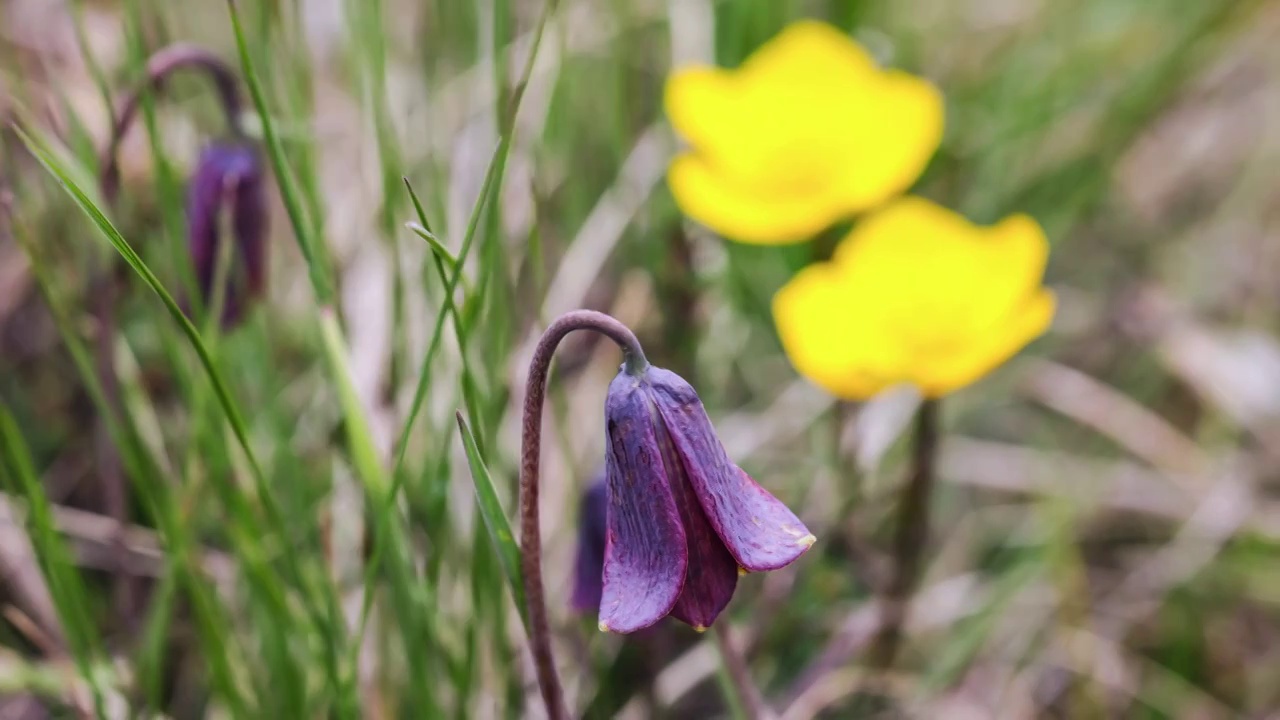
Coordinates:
<point>988,350</point>
<point>704,106</point>
<point>892,146</point>
<point>936,276</point>
<point>808,123</point>
<point>813,314</point>
<point>1016,251</point>
<point>808,51</point>
<point>916,293</point>
<point>900,236</point>
<point>738,211</point>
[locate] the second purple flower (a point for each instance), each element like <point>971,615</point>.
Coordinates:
<point>228,186</point>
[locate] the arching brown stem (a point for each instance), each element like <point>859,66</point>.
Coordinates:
<point>530,457</point>
<point>159,67</point>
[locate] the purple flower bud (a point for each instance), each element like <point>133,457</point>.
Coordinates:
<point>229,178</point>
<point>683,520</point>
<point>589,565</point>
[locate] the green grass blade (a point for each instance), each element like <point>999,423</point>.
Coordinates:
<point>441,256</point>
<point>417,206</point>
<point>244,534</point>
<point>360,441</point>
<point>381,537</point>
<point>495,518</point>
<point>438,250</point>
<point>65,585</point>
<point>113,236</point>
<point>168,185</point>
<point>312,250</point>
<point>359,438</point>
<point>491,178</point>
<point>152,489</point>
<point>488,189</point>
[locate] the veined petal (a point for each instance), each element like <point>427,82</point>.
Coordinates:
<point>758,530</point>
<point>738,211</point>
<point>988,350</point>
<point>713,573</point>
<point>646,554</point>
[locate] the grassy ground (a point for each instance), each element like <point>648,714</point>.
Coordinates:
<point>1107,530</point>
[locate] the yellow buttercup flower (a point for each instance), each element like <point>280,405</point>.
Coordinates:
<point>916,294</point>
<point>806,132</point>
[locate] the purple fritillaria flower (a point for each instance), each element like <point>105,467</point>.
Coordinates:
<point>229,178</point>
<point>588,566</point>
<point>683,521</point>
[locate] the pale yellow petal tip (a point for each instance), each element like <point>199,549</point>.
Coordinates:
<point>807,540</point>
<point>604,626</point>
<point>742,572</point>
<point>699,628</point>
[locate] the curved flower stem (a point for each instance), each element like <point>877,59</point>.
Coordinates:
<point>530,457</point>
<point>910,536</point>
<point>159,66</point>
<point>749,698</point>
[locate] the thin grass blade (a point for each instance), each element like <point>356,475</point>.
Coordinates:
<point>495,518</point>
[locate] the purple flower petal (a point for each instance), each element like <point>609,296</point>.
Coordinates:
<point>713,573</point>
<point>204,203</point>
<point>645,554</point>
<point>228,178</point>
<point>760,532</point>
<point>250,224</point>
<point>592,529</point>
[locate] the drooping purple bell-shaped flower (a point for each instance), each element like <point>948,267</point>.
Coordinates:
<point>683,520</point>
<point>229,184</point>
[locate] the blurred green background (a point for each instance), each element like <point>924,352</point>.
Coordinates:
<point>1107,525</point>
